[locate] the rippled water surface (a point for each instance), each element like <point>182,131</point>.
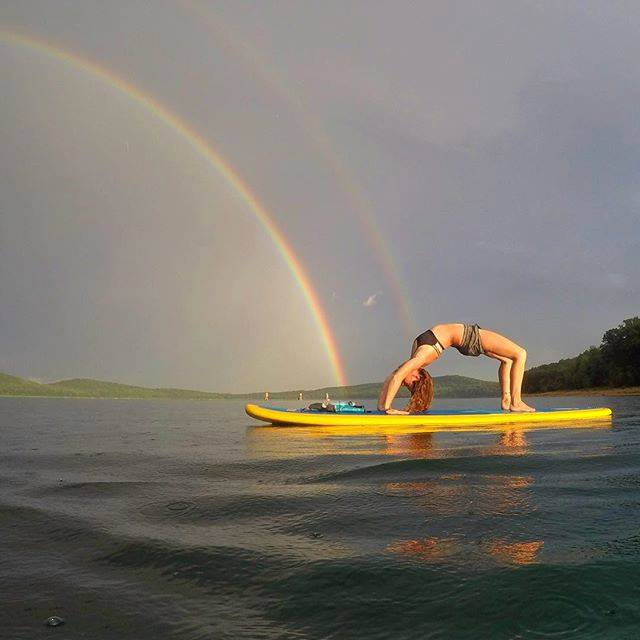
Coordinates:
<point>172,519</point>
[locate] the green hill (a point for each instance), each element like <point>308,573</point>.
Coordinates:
<point>14,386</point>
<point>615,363</point>
<point>88,388</point>
<point>445,387</point>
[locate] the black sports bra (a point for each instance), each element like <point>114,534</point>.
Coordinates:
<point>428,337</point>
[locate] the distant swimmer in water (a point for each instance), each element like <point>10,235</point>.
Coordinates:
<point>469,340</point>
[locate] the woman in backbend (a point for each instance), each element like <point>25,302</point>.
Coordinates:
<point>469,340</point>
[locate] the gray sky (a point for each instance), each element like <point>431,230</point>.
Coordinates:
<point>493,147</point>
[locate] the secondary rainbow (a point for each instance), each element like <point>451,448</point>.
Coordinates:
<point>216,160</point>
<point>360,204</point>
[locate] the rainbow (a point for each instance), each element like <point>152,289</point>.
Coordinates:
<point>216,161</point>
<point>360,204</point>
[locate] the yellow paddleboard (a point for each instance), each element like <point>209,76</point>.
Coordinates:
<point>440,420</point>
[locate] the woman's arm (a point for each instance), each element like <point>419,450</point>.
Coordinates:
<point>393,382</point>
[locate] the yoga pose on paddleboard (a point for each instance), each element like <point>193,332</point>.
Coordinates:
<point>469,340</point>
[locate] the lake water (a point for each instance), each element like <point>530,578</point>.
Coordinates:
<point>184,519</point>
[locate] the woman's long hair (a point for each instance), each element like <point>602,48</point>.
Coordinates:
<point>421,393</point>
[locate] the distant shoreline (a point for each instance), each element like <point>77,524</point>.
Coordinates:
<point>597,391</point>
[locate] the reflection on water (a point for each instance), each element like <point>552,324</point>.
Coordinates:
<point>449,495</point>
<point>514,440</point>
<point>416,444</point>
<point>423,444</point>
<point>289,442</point>
<point>426,549</point>
<point>453,496</point>
<point>454,550</point>
<point>515,552</point>
<point>392,440</point>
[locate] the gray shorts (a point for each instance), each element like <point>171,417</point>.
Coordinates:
<point>471,345</point>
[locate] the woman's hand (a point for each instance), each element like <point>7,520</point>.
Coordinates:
<point>395,412</point>
<point>394,381</point>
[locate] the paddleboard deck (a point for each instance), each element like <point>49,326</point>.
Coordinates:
<point>468,418</point>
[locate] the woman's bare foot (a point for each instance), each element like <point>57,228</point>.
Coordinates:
<point>506,401</point>
<point>520,407</point>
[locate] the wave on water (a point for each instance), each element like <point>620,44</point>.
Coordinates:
<point>506,464</point>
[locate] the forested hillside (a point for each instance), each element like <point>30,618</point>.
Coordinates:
<point>615,363</point>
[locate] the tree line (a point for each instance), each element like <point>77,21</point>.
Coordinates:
<point>615,363</point>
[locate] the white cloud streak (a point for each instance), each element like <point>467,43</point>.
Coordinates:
<point>372,299</point>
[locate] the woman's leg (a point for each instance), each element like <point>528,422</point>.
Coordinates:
<point>498,345</point>
<point>504,376</point>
